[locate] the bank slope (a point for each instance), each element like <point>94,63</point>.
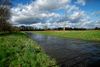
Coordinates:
<point>17,50</point>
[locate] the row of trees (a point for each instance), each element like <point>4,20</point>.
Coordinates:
<point>30,28</point>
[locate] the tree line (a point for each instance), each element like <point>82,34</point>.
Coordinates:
<point>31,28</point>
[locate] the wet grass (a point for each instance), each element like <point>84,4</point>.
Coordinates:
<point>92,35</point>
<point>17,50</point>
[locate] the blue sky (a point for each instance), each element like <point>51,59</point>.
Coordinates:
<point>73,13</point>
<point>91,5</point>
<point>16,2</point>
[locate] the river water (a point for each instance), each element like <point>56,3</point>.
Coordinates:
<point>69,52</point>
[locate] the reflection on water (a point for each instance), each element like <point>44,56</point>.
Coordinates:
<point>70,52</point>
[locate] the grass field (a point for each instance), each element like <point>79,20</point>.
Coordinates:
<point>84,35</point>
<point>17,50</point>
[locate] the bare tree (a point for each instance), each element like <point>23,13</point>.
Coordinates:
<point>64,26</point>
<point>46,27</point>
<point>5,15</point>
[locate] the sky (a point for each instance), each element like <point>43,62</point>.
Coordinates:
<point>56,13</point>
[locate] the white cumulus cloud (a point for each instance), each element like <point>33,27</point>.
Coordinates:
<point>81,2</point>
<point>41,12</point>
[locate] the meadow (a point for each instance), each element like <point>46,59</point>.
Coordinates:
<point>92,35</point>
<point>17,50</point>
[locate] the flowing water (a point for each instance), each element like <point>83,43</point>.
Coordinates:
<point>70,52</point>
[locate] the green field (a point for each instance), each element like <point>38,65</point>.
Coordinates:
<point>17,50</point>
<point>84,35</point>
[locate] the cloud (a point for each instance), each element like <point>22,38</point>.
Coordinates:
<point>49,4</point>
<point>56,13</point>
<point>96,13</point>
<point>81,2</point>
<point>36,11</point>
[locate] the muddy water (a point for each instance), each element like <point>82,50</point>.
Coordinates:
<point>70,52</point>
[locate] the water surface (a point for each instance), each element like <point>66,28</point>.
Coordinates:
<point>70,52</point>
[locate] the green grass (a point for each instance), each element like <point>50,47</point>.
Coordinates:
<point>17,50</point>
<point>84,35</point>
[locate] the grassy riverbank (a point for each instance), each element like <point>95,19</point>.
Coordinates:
<point>17,50</point>
<point>85,35</point>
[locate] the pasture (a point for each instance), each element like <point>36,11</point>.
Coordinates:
<point>93,35</point>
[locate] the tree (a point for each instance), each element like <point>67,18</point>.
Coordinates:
<point>5,15</point>
<point>46,27</point>
<point>64,26</point>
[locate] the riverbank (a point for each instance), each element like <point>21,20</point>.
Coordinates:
<point>17,50</point>
<point>92,35</point>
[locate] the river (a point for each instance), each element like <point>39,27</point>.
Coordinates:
<point>69,52</point>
